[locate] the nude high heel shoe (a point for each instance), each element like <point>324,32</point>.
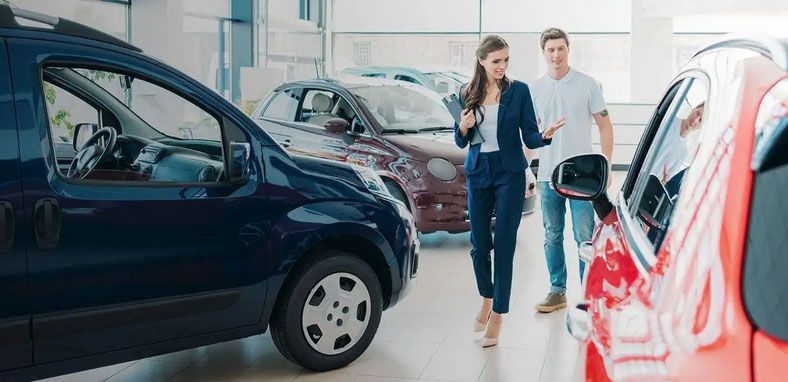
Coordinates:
<point>489,340</point>
<point>479,326</point>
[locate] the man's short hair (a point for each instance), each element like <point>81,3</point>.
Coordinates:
<point>553,34</point>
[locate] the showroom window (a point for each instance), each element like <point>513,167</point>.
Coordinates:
<point>207,43</point>
<point>107,16</point>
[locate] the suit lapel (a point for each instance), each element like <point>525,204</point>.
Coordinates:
<point>503,106</point>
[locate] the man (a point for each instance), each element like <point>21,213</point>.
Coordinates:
<point>565,94</point>
<point>673,156</point>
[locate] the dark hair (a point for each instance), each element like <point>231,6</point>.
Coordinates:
<point>474,92</point>
<point>553,34</point>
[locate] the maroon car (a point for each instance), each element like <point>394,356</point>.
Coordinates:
<point>402,131</point>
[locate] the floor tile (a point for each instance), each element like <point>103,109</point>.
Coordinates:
<point>457,363</point>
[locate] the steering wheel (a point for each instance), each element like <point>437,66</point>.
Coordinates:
<point>92,153</point>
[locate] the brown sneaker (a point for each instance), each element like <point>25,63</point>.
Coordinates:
<point>551,303</point>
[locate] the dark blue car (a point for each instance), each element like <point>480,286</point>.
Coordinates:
<point>121,239</point>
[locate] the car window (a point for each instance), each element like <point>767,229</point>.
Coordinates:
<point>659,181</point>
<point>374,75</point>
<point>161,136</point>
<point>399,109</point>
<point>66,110</point>
<point>320,106</point>
<point>763,281</point>
<point>284,105</point>
<point>402,77</point>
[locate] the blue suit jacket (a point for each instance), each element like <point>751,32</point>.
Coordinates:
<point>516,122</point>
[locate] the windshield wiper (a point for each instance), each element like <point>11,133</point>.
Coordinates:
<point>399,131</point>
<point>437,128</point>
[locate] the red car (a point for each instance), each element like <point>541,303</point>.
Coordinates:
<point>402,131</point>
<point>688,273</point>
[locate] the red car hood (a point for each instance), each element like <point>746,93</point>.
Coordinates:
<point>425,146</point>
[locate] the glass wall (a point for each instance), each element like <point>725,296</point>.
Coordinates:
<point>292,38</point>
<point>107,17</point>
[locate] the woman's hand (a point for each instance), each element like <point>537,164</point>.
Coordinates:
<point>550,131</point>
<point>467,121</point>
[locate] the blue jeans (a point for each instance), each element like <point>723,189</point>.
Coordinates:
<point>553,213</point>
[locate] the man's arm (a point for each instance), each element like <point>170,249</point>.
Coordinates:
<point>602,120</point>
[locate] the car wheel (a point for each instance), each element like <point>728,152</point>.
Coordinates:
<point>329,312</point>
<point>397,192</point>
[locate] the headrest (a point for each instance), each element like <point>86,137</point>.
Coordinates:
<point>321,103</point>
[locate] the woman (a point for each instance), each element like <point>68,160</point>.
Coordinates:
<point>497,116</point>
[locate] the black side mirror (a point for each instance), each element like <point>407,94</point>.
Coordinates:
<point>240,162</point>
<point>83,132</point>
<point>336,126</point>
<point>581,177</point>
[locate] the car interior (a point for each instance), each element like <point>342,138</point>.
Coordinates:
<point>122,146</point>
<point>327,105</point>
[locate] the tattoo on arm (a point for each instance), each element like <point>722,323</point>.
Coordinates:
<point>603,113</point>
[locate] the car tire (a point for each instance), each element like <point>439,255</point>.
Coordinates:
<point>397,192</point>
<point>343,278</point>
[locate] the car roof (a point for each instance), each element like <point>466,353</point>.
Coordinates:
<point>10,16</point>
<point>773,48</point>
<point>421,69</point>
<point>351,82</point>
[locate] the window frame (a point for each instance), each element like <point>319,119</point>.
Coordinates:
<point>297,90</point>
<point>651,141</point>
<point>93,64</point>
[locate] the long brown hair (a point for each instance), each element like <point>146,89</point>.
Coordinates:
<point>474,93</point>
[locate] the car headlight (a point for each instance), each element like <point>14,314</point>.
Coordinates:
<point>372,180</point>
<point>442,169</point>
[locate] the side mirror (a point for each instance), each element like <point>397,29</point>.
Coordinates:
<point>581,177</point>
<point>240,161</point>
<point>83,132</point>
<point>336,126</point>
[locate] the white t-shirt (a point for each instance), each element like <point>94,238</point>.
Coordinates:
<point>489,128</point>
<point>672,156</point>
<point>576,97</point>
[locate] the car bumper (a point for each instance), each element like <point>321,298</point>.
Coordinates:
<point>405,265</point>
<point>448,211</point>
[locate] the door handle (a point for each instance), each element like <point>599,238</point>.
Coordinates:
<point>47,223</point>
<point>7,226</point>
<point>287,143</point>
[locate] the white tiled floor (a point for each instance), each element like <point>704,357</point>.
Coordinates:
<point>427,337</point>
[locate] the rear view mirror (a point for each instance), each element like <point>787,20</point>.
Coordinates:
<point>582,177</point>
<point>83,132</point>
<point>336,126</point>
<point>240,161</point>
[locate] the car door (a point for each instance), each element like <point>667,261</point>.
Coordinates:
<point>16,347</point>
<point>627,245</point>
<point>309,132</point>
<point>119,263</point>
